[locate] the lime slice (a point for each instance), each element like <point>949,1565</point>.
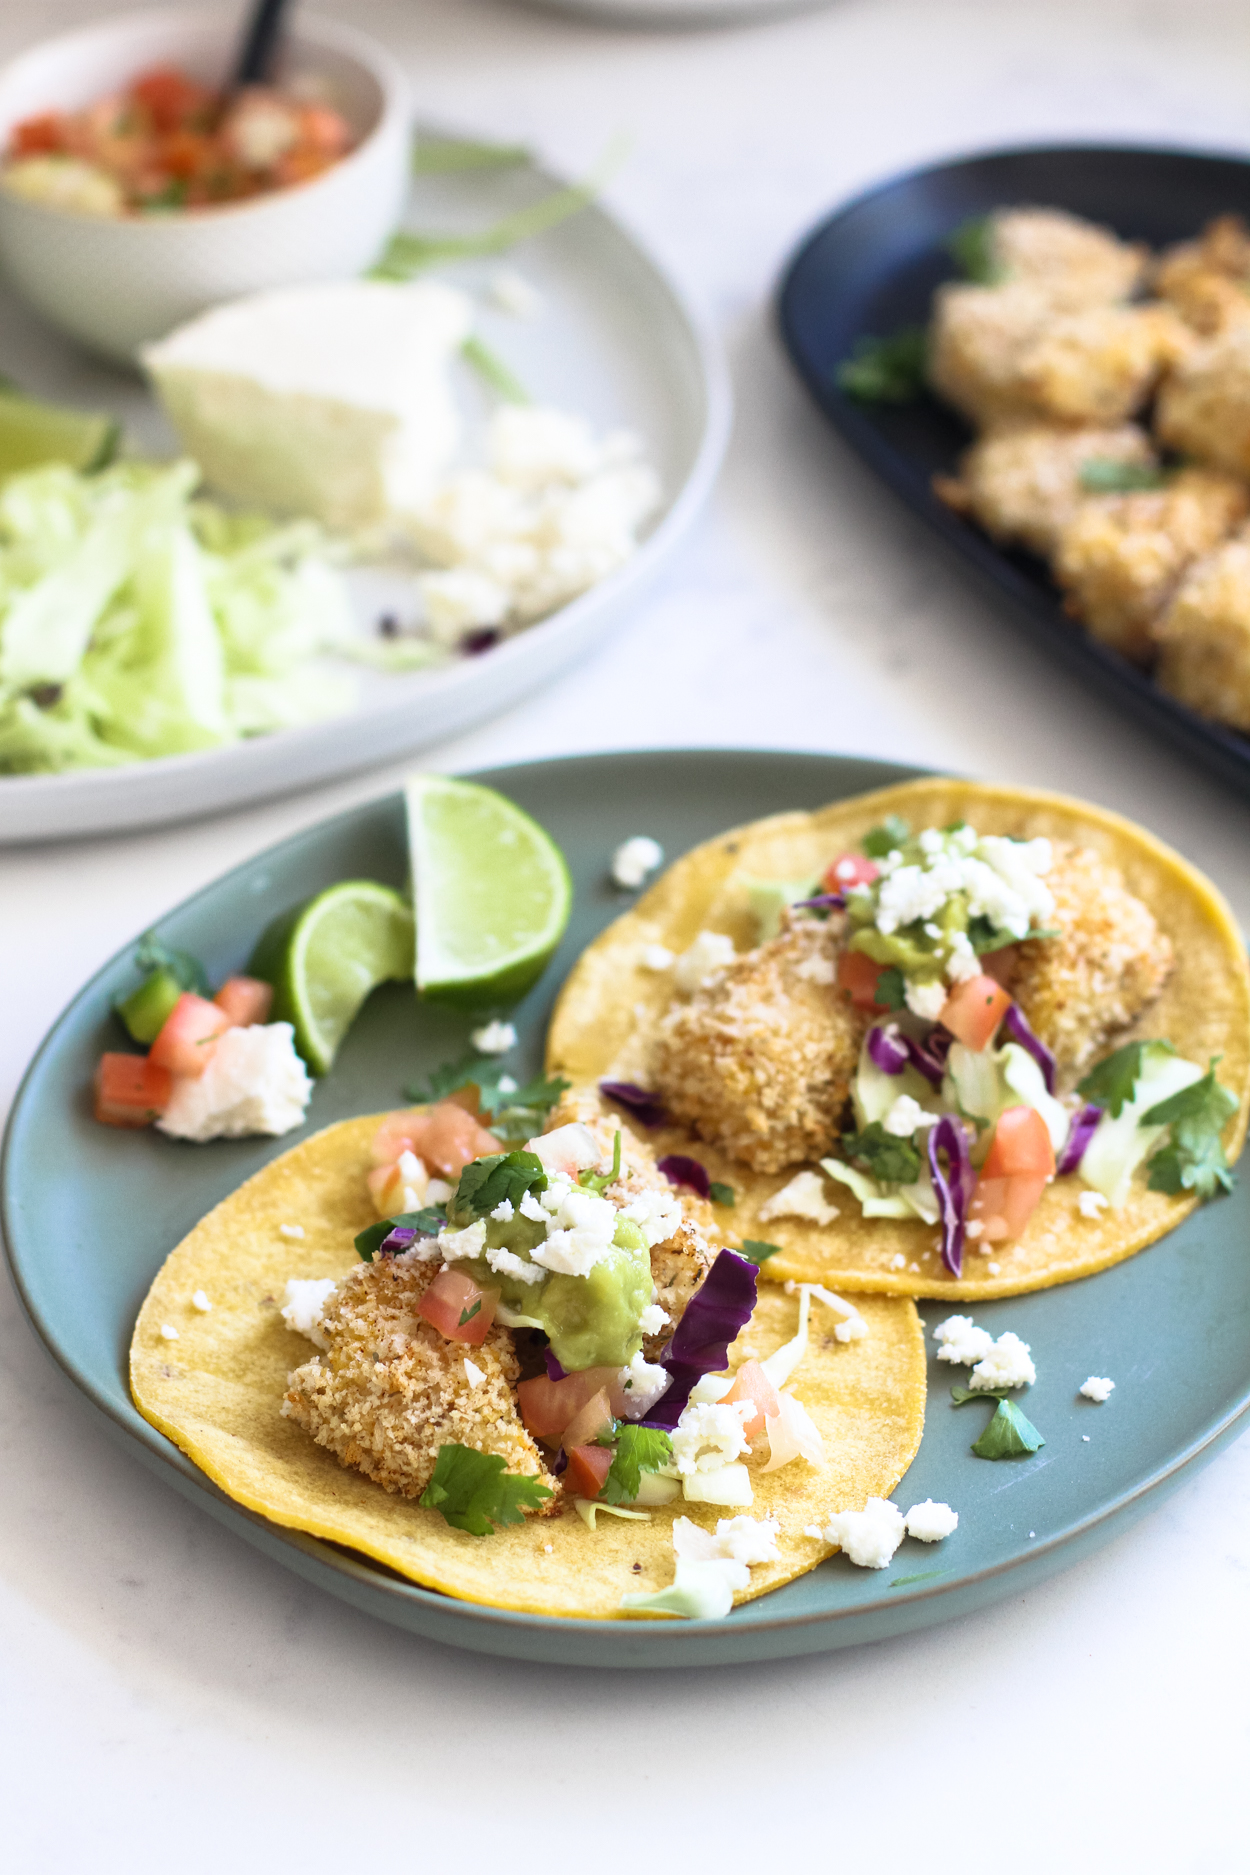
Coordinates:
<point>32,433</point>
<point>491,890</point>
<point>325,956</point>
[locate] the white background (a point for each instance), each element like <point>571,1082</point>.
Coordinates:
<point>171,1701</point>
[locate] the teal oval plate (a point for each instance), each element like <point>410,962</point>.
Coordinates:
<point>89,1215</point>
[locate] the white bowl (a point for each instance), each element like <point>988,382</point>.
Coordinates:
<point>115,284</point>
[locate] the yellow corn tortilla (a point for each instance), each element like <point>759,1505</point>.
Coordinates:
<point>216,1392</point>
<point>610,1005</point>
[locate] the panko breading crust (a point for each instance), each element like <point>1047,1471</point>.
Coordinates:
<point>1208,280</point>
<point>1023,484</point>
<point>760,1059</point>
<point>1121,556</point>
<point>390,1390</point>
<point>1204,405</point>
<point>1003,353</point>
<point>1107,965</point>
<point>1074,262</point>
<point>1204,637</point>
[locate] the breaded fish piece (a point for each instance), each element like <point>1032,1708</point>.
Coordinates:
<point>1074,262</point>
<point>1106,966</point>
<point>760,1059</point>
<point>391,1389</point>
<point>1204,637</point>
<point>680,1262</point>
<point>1023,485</point>
<point>1208,280</point>
<point>1204,404</point>
<point>1003,353</point>
<point>1120,557</point>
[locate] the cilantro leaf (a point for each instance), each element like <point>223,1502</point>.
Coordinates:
<point>446,1080</point>
<point>891,990</point>
<point>960,1396</point>
<point>885,371</point>
<point>972,250</point>
<point>756,1251</point>
<point>186,969</point>
<point>1110,1083</point>
<point>1009,1435</point>
<point>638,1449</point>
<point>887,838</point>
<point>599,1181</point>
<point>485,1183</point>
<point>1102,476</point>
<point>1193,1160</point>
<point>720,1194</point>
<point>427,1222</point>
<point>513,1113</point>
<point>892,1160</point>
<point>474,1492</point>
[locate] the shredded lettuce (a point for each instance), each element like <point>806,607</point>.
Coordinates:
<point>982,1084</point>
<point>879,1200</point>
<point>136,621</point>
<point>1121,1141</point>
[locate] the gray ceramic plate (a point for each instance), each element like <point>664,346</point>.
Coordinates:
<point>89,1215</point>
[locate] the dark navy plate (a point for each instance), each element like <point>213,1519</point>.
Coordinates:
<point>872,267</point>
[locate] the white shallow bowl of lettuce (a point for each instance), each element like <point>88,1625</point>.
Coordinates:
<point>615,340</point>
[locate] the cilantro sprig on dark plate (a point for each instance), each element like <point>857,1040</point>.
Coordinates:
<point>475,1492</point>
<point>1194,1158</point>
<point>1009,1434</point>
<point>486,1183</point>
<point>1110,1083</point>
<point>885,370</point>
<point>512,1113</point>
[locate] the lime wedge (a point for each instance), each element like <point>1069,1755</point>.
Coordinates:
<point>324,956</point>
<point>491,890</point>
<point>32,433</point>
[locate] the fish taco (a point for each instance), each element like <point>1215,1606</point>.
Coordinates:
<point>944,1039</point>
<point>527,1375</point>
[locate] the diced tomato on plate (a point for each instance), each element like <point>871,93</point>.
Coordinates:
<point>246,1000</point>
<point>1018,1167</point>
<point>130,1090</point>
<point>588,1468</point>
<point>190,1033</point>
<point>752,1383</point>
<point>459,1308</point>
<point>850,869</point>
<point>973,1011</point>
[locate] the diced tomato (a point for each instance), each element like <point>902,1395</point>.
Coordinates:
<point>973,1011</point>
<point>858,976</point>
<point>169,96</point>
<point>752,1383</point>
<point>584,1427</point>
<point>130,1090</point>
<point>190,1034</point>
<point>43,135</point>
<point>549,1406</point>
<point>588,1467</point>
<point>246,1000</point>
<point>324,129</point>
<point>185,154</point>
<point>1017,1169</point>
<point>444,1136</point>
<point>388,1184</point>
<point>459,1308</point>
<point>1021,1144</point>
<point>850,869</point>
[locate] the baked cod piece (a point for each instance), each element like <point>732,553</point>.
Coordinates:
<point>1120,557</point>
<point>1023,485</point>
<point>1204,405</point>
<point>760,1059</point>
<point>389,1390</point>
<point>1208,280</point>
<point>1074,262</point>
<point>1106,966</point>
<point>1004,353</point>
<point>1204,637</point>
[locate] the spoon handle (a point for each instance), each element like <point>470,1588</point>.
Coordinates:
<point>259,43</point>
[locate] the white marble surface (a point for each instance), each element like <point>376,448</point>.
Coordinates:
<point>171,1700</point>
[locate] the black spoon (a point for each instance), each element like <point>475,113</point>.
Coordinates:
<point>260,42</point>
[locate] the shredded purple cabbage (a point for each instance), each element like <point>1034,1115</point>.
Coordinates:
<point>679,1170</point>
<point>954,1187</point>
<point>929,1057</point>
<point>482,638</point>
<point>558,1463</point>
<point>823,901</point>
<point>715,1316</point>
<point>1016,1024</point>
<point>401,1237</point>
<point>888,1052</point>
<point>554,1369</point>
<point>1080,1133</point>
<point>646,1108</point>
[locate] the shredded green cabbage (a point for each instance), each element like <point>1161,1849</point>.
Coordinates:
<point>136,621</point>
